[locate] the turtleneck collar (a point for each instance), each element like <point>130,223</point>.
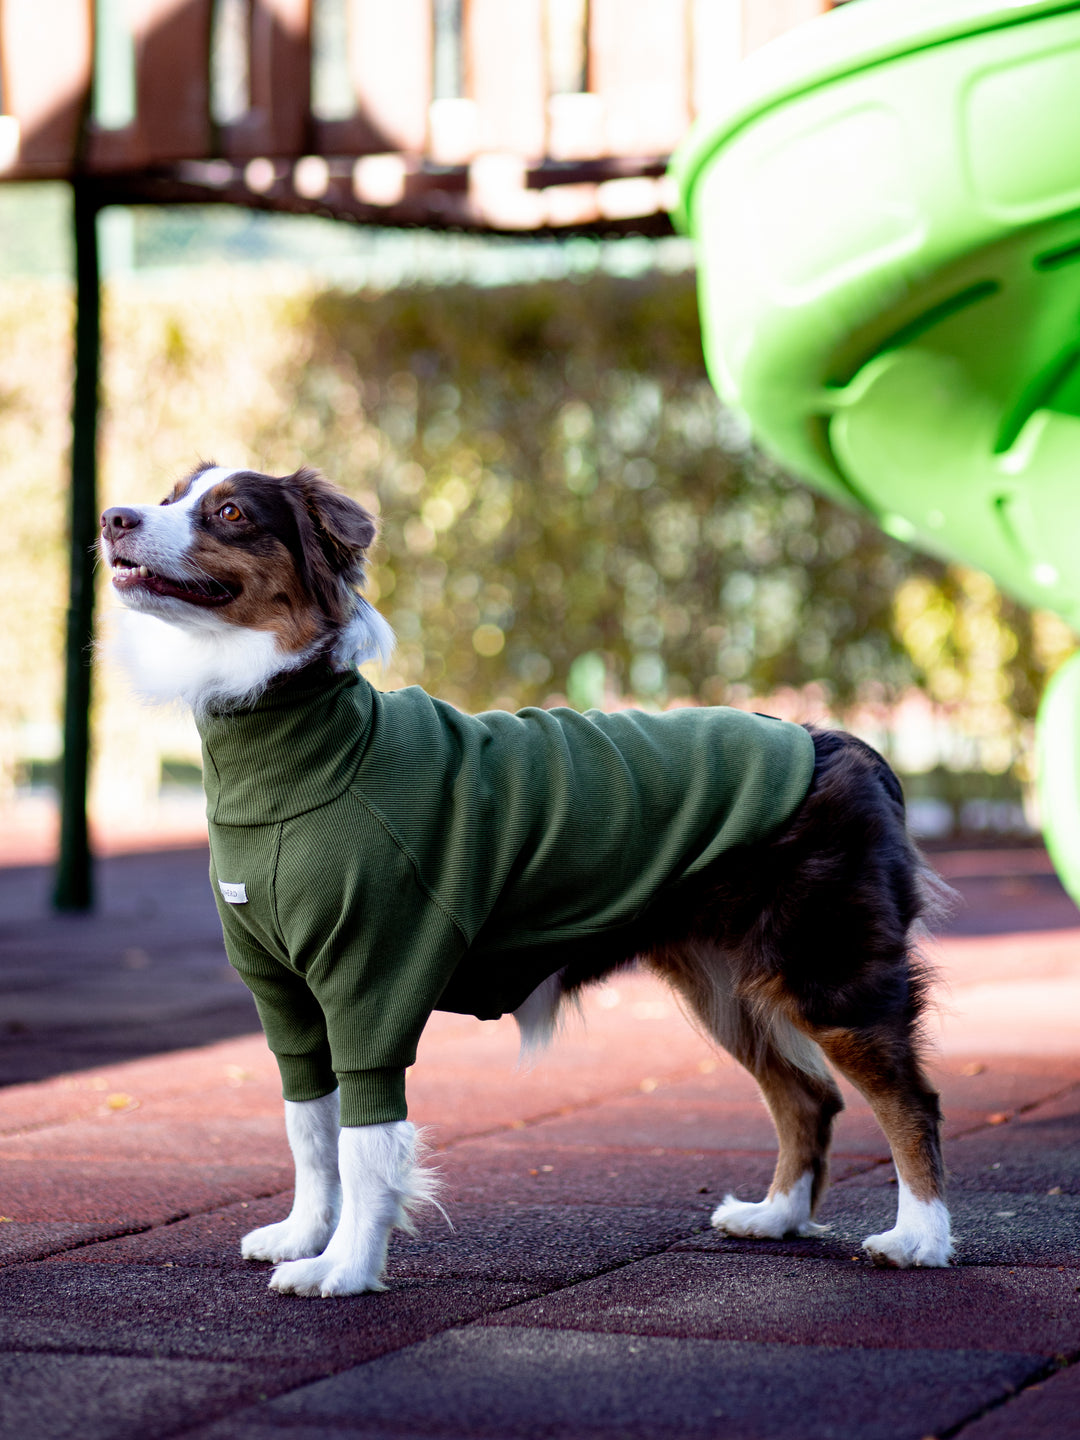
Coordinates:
<point>297,747</point>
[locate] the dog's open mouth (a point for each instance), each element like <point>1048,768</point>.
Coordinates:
<point>127,575</point>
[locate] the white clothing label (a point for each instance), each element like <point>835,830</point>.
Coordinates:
<point>235,894</point>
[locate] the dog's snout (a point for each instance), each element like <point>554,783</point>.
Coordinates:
<point>117,519</point>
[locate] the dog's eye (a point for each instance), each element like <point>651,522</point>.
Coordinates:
<point>229,511</point>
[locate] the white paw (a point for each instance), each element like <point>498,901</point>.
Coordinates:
<point>289,1239</point>
<point>323,1275</point>
<point>764,1221</point>
<point>785,1213</point>
<point>901,1249</point>
<point>919,1237</point>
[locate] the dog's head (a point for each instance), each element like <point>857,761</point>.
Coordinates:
<point>230,553</point>
<point>233,547</point>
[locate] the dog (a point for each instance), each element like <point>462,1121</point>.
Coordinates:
<point>376,856</point>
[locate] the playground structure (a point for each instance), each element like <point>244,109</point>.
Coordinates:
<point>885,206</point>
<point>513,116</point>
<point>522,117</point>
<point>888,219</point>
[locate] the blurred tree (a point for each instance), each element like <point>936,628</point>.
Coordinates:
<point>557,480</point>
<point>982,658</point>
<point>567,510</point>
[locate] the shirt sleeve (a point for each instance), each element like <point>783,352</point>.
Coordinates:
<point>291,1016</point>
<point>376,949</point>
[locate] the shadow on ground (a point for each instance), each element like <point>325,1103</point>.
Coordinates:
<point>144,973</point>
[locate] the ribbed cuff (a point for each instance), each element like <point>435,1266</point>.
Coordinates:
<point>306,1077</point>
<point>372,1097</point>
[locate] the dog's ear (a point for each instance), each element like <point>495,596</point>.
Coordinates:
<point>344,529</point>
<point>335,534</point>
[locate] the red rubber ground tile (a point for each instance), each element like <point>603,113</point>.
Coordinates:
<point>21,1241</point>
<point>251,1103</point>
<point>200,1077</point>
<point>237,1428</point>
<point>526,1243</point>
<point>1001,1082</point>
<point>457,1086</point>
<point>1036,1152</point>
<point>145,1136</point>
<point>535,1384</point>
<point>470,1097</point>
<point>979,1091</point>
<point>130,1192</point>
<point>663,1119</point>
<point>767,1298</point>
<point>226,1314</point>
<point>102,1397</point>
<point>211,1237</point>
<point>1064,1108</point>
<point>468,1080</point>
<point>529,1171</point>
<point>145,1131</point>
<point>537,1244</point>
<point>721,1107</point>
<point>988,1229</point>
<point>974,1090</point>
<point>1028,953</point>
<point>987,1162</point>
<point>1010,994</point>
<point>1048,1410</point>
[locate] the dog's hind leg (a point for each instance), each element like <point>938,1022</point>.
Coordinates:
<point>801,1095</point>
<point>842,962</point>
<point>802,1107</point>
<point>312,1129</point>
<point>882,1063</point>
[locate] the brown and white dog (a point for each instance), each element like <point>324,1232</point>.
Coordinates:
<point>801,955</point>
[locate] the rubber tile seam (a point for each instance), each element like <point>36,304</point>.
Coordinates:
<point>1051,1368</point>
<point>516,1126</point>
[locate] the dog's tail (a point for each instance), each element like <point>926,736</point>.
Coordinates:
<point>542,1015</point>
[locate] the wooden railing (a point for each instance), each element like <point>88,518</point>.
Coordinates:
<point>512,115</point>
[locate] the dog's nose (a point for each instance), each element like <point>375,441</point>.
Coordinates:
<point>117,519</point>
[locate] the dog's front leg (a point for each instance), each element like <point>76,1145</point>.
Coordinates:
<point>312,1128</point>
<point>380,1179</point>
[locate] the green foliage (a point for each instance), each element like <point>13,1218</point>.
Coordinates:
<point>566,509</point>
<point>35,229</point>
<point>35,379</point>
<point>981,659</point>
<point>557,480</point>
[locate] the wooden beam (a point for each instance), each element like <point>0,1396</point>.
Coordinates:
<point>47,53</point>
<point>505,74</point>
<point>172,78</point>
<point>436,200</point>
<point>652,64</point>
<point>279,121</point>
<point>639,66</point>
<point>390,63</point>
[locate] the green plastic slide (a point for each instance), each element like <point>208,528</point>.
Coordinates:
<point>888,223</point>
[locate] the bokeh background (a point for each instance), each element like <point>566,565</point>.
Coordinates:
<point>568,514</point>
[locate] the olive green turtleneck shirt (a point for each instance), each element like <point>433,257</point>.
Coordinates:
<point>376,856</point>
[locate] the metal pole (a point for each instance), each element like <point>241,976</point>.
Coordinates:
<point>74,872</point>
